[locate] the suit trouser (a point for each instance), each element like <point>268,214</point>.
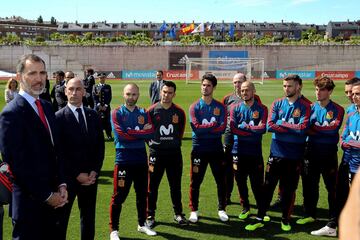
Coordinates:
<point>173,165</point>
<point>105,121</point>
<point>229,174</point>
<point>280,169</point>
<point>199,162</point>
<point>253,167</point>
<point>124,175</point>
<point>86,197</point>
<point>39,225</point>
<point>314,166</point>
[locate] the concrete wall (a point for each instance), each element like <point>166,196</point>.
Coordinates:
<point>116,58</point>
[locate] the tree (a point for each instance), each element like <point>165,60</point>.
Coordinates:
<point>53,21</point>
<point>40,19</point>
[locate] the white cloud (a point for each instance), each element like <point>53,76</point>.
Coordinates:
<point>298,2</point>
<point>251,3</point>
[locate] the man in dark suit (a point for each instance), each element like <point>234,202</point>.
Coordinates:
<point>82,151</point>
<point>58,91</point>
<point>155,86</point>
<point>28,141</point>
<point>46,93</point>
<point>102,98</point>
<point>89,83</point>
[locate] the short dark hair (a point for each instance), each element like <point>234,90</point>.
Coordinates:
<point>352,81</point>
<point>169,84</point>
<point>356,84</point>
<point>90,71</point>
<point>324,83</point>
<point>210,77</point>
<point>295,78</point>
<point>160,71</point>
<point>21,63</point>
<point>60,73</point>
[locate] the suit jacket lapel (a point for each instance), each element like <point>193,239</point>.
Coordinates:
<point>88,119</point>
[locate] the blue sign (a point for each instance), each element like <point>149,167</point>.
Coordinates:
<point>223,61</point>
<point>228,54</point>
<point>302,74</point>
<point>138,74</point>
<point>357,74</point>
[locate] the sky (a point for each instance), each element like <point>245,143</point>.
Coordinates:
<point>116,11</point>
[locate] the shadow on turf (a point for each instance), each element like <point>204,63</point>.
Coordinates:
<point>231,229</point>
<point>298,211</point>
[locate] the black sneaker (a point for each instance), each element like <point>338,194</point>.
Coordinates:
<point>180,219</point>
<point>150,222</point>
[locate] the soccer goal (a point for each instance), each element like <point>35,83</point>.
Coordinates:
<point>225,68</point>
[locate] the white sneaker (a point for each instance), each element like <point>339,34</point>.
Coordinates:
<point>325,231</point>
<point>223,216</point>
<point>194,217</point>
<point>114,235</point>
<point>145,229</point>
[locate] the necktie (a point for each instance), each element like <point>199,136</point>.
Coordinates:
<point>41,114</point>
<point>81,120</point>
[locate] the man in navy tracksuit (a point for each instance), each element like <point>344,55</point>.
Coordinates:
<point>131,126</point>
<point>321,155</point>
<point>208,121</point>
<point>288,120</point>
<point>228,100</point>
<point>165,152</point>
<point>342,185</point>
<point>350,139</point>
<point>248,124</point>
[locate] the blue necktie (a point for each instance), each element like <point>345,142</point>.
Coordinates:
<point>81,121</point>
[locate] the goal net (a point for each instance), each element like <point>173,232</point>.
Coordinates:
<point>225,68</point>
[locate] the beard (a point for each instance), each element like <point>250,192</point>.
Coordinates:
<point>289,95</point>
<point>27,88</point>
<point>131,102</point>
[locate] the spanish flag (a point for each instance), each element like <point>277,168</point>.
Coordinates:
<point>188,29</point>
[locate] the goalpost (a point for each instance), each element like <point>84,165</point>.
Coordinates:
<point>225,68</point>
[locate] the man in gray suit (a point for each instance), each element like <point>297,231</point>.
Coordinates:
<point>155,86</point>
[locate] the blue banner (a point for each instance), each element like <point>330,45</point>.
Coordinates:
<point>357,74</point>
<point>138,74</point>
<point>302,74</point>
<point>223,59</point>
<point>228,54</point>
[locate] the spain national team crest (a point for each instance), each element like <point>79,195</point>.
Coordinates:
<point>175,118</point>
<point>141,119</point>
<point>296,112</point>
<point>216,111</point>
<point>255,115</point>
<point>121,182</point>
<point>329,115</point>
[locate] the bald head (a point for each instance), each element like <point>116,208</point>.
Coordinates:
<point>131,86</point>
<point>75,91</point>
<point>248,84</point>
<point>248,92</point>
<point>238,79</point>
<point>131,95</point>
